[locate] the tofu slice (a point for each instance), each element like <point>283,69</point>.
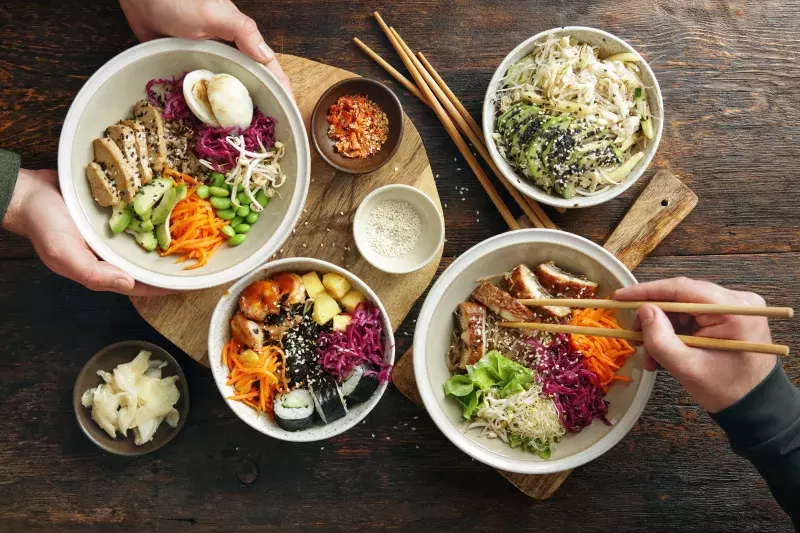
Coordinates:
<point>523,285</point>
<point>150,118</point>
<point>124,139</point>
<point>503,304</point>
<point>142,157</point>
<point>562,284</point>
<point>109,156</point>
<point>472,340</point>
<point>103,190</point>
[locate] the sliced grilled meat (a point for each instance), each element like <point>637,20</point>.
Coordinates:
<point>501,303</point>
<point>472,326</point>
<point>104,191</point>
<point>523,284</point>
<point>562,284</point>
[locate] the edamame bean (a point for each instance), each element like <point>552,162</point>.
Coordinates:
<point>240,188</point>
<point>203,192</point>
<point>262,198</point>
<point>243,211</point>
<point>243,199</point>
<point>236,221</point>
<point>252,217</point>
<point>228,231</point>
<point>218,178</point>
<point>226,214</point>
<point>242,228</point>
<point>237,239</point>
<point>218,191</point>
<point>220,203</point>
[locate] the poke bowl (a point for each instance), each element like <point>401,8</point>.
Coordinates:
<point>573,116</point>
<point>301,349</point>
<point>184,163</point>
<point>527,401</point>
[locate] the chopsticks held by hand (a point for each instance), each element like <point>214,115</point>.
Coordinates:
<point>668,307</point>
<point>636,336</point>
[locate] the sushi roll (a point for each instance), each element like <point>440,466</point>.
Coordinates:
<point>360,385</point>
<point>294,410</point>
<point>328,398</point>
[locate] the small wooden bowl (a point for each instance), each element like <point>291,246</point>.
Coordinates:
<point>378,93</point>
<point>107,359</point>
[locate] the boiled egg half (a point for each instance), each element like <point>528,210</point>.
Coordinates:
<point>219,100</point>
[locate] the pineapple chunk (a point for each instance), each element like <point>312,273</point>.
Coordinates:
<point>325,308</point>
<point>337,285</point>
<point>351,300</point>
<point>340,322</point>
<point>313,284</point>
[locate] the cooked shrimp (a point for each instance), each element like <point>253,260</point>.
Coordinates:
<point>291,286</point>
<point>260,299</point>
<point>247,332</point>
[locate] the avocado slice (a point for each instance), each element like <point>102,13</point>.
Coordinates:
<point>140,226</point>
<point>180,193</point>
<point>162,210</point>
<point>146,239</point>
<point>533,159</point>
<point>162,235</point>
<point>565,190</point>
<point>120,217</point>
<point>149,194</point>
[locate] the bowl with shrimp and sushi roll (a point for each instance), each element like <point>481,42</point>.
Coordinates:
<point>301,349</point>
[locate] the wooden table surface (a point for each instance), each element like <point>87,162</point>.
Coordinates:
<point>731,83</point>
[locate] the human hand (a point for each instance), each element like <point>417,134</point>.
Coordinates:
<point>37,211</point>
<point>201,19</point>
<point>716,379</point>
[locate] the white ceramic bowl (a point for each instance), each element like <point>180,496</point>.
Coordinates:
<point>219,334</point>
<point>608,45</point>
<point>430,239</point>
<point>110,94</point>
<point>435,325</point>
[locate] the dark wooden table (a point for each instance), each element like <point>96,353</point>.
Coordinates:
<point>731,85</point>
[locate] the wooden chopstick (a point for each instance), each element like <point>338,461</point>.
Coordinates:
<point>636,336</point>
<point>470,128</point>
<point>405,82</point>
<point>465,129</point>
<point>450,127</point>
<point>669,307</point>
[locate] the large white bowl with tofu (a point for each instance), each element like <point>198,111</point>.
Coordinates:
<point>325,302</point>
<point>88,154</point>
<point>485,278</point>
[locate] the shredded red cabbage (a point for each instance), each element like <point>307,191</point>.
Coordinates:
<point>575,389</point>
<point>362,343</point>
<point>169,98</point>
<point>210,143</point>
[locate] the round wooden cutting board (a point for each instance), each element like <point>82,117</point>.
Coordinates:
<point>325,228</point>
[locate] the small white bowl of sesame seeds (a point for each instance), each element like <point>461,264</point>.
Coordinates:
<point>398,229</point>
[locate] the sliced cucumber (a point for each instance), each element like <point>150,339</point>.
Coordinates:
<point>647,128</point>
<point>149,194</point>
<point>619,173</point>
<point>140,226</point>
<point>162,210</point>
<point>146,239</point>
<point>120,217</point>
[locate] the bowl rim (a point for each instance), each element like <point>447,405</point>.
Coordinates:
<point>98,243</point>
<point>315,112</point>
<point>359,216</point>
<point>524,185</point>
<point>278,266</point>
<point>454,433</point>
<point>156,351</point>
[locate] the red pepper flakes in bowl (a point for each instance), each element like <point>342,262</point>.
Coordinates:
<point>357,125</point>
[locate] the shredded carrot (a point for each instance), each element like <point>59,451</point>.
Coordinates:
<point>604,356</point>
<point>193,225</point>
<point>256,384</point>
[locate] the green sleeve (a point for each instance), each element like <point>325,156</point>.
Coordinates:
<point>9,170</point>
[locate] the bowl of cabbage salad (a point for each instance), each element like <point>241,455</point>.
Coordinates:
<point>573,116</point>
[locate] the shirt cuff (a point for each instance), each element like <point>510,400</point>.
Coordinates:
<point>764,413</point>
<point>9,171</point>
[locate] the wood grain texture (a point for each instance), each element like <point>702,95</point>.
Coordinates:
<point>325,227</point>
<point>646,224</point>
<point>731,83</point>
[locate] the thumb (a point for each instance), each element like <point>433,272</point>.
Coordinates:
<point>660,341</point>
<point>230,24</point>
<point>103,276</point>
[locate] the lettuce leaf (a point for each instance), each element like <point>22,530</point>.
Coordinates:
<point>492,371</point>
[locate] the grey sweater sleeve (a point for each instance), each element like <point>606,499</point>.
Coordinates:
<point>9,169</point>
<point>764,427</point>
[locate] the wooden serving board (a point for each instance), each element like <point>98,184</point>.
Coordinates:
<point>325,228</point>
<point>663,204</point>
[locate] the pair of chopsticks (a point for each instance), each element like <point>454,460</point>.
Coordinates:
<point>670,307</point>
<point>431,89</point>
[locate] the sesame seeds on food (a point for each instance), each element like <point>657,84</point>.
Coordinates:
<point>393,228</point>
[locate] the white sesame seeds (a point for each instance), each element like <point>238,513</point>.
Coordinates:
<point>393,228</point>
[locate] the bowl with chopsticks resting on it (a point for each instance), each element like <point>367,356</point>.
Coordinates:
<point>301,349</point>
<point>357,125</point>
<point>184,163</point>
<point>573,116</point>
